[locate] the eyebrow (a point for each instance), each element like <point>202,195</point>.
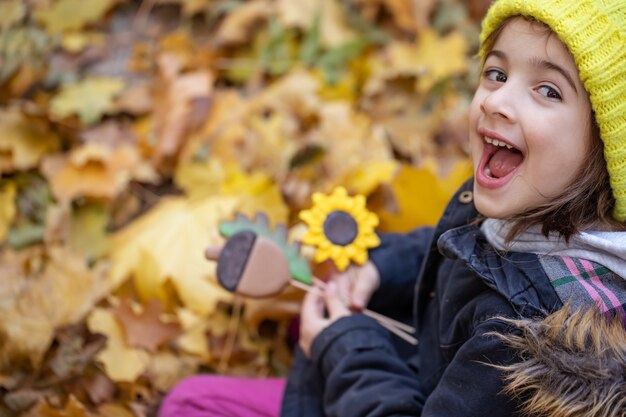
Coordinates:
<point>539,63</point>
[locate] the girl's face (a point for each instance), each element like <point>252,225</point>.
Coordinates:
<point>530,122</point>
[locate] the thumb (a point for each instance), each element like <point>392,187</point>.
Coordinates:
<point>334,303</point>
<point>361,293</point>
<point>212,253</point>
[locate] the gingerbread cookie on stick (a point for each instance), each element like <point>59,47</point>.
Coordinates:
<point>259,262</point>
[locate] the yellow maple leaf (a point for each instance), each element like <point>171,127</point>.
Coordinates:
<point>430,60</point>
<point>255,191</point>
<point>90,99</point>
<point>174,234</point>
<point>421,196</point>
<point>64,15</point>
<point>365,178</point>
<point>238,25</point>
<point>23,142</point>
<point>121,362</point>
<point>193,340</point>
<point>7,209</point>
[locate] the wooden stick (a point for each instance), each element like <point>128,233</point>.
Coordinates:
<point>398,324</point>
<point>373,314</point>
<point>388,323</point>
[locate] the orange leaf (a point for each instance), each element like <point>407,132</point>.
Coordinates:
<point>146,329</point>
<point>421,196</point>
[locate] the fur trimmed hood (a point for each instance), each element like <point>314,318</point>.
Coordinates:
<point>573,364</point>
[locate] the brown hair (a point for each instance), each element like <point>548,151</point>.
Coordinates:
<point>588,200</point>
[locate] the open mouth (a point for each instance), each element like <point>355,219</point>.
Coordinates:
<point>499,160</point>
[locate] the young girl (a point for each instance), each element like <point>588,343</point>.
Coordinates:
<point>510,282</point>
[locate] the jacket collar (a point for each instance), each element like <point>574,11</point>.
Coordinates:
<point>519,277</point>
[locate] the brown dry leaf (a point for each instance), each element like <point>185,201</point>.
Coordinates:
<point>99,387</point>
<point>174,234</point>
<point>421,196</point>
<point>409,15</point>
<point>295,93</point>
<point>145,329</point>
<point>73,351</point>
<point>238,26</point>
<point>232,342</point>
<point>40,292</point>
<point>430,60</point>
<point>73,408</point>
<point>283,307</point>
<point>7,208</point>
<point>334,31</point>
<point>173,110</point>
<point>64,15</point>
<point>23,142</point>
<point>111,133</point>
<point>298,14</point>
<point>95,170</point>
<point>89,99</point>
<point>121,362</point>
<point>114,410</point>
<point>135,100</point>
<point>248,132</point>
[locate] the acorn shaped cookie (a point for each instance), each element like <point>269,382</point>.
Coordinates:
<point>256,261</point>
<point>253,266</point>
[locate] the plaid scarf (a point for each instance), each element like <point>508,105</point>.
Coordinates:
<point>581,282</point>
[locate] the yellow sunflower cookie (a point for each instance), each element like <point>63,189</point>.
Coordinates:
<point>340,228</point>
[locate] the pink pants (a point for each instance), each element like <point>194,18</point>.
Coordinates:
<point>220,396</point>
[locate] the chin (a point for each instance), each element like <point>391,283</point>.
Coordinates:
<point>488,208</point>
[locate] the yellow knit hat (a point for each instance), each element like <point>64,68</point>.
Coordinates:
<point>595,33</point>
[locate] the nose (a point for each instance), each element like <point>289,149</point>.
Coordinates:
<point>499,103</point>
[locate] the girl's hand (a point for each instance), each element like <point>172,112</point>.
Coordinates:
<point>313,318</point>
<point>357,284</point>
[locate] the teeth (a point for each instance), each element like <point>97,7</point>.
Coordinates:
<point>487,171</point>
<point>496,142</point>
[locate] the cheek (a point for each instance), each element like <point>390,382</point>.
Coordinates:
<point>474,109</point>
<point>475,141</point>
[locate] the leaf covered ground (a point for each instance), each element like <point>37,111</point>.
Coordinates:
<point>130,129</point>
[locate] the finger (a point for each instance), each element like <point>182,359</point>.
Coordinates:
<point>336,307</point>
<point>344,285</point>
<point>361,294</point>
<point>364,287</point>
<point>313,305</point>
<point>212,253</point>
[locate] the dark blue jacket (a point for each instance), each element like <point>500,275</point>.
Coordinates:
<point>359,369</point>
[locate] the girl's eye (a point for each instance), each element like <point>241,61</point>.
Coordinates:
<point>550,92</point>
<point>495,75</point>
